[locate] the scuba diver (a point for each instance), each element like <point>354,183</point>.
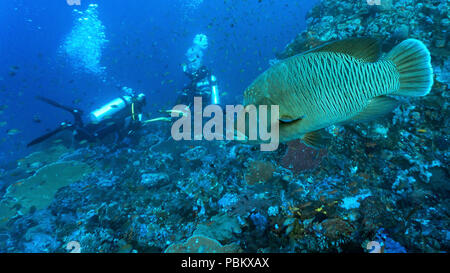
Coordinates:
<point>122,116</point>
<point>202,82</point>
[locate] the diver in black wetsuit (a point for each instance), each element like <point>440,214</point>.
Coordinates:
<point>203,84</point>
<point>122,116</point>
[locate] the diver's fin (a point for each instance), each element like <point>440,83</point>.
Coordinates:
<point>317,139</point>
<point>413,61</point>
<point>46,136</point>
<point>376,108</point>
<point>365,49</point>
<point>77,113</point>
<point>56,104</point>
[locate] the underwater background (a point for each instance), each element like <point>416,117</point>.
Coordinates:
<point>385,182</point>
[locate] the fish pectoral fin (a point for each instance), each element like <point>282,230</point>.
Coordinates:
<point>317,139</point>
<point>289,119</point>
<point>365,49</point>
<point>377,107</point>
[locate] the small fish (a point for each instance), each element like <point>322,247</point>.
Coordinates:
<point>307,204</point>
<point>13,132</point>
<point>16,173</point>
<point>332,192</point>
<point>37,119</point>
<point>371,144</point>
<point>339,83</point>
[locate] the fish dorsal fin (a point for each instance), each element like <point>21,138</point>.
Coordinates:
<point>365,49</point>
<point>317,139</point>
<point>376,108</point>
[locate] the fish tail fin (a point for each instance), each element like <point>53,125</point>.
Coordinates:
<point>413,62</point>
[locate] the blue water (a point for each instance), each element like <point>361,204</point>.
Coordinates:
<point>147,41</point>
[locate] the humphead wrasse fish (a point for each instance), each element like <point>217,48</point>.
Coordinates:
<point>339,83</point>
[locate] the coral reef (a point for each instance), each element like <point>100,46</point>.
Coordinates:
<point>300,157</point>
<point>201,244</point>
<point>259,172</point>
<point>41,158</point>
<point>221,227</point>
<point>37,192</point>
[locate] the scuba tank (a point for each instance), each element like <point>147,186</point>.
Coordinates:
<point>214,91</point>
<point>108,110</point>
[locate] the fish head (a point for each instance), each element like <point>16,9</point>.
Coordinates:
<point>268,90</point>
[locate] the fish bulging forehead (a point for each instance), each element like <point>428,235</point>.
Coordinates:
<point>270,89</point>
<point>259,92</point>
<point>252,92</point>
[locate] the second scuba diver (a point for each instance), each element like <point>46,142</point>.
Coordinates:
<point>121,117</point>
